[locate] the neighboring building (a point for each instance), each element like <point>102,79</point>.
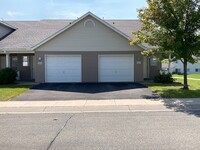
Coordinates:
<point>177,67</point>
<point>88,49</point>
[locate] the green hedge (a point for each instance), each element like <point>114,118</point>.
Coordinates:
<point>7,76</point>
<point>164,78</point>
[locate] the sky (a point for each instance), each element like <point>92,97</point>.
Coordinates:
<point>68,9</point>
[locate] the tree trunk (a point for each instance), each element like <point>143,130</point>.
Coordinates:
<point>185,75</point>
<point>169,66</point>
<point>169,63</point>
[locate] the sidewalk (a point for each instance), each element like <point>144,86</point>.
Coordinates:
<point>81,106</point>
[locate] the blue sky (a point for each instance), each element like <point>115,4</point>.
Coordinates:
<point>68,9</point>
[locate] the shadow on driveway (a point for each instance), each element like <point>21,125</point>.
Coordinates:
<point>91,88</point>
<point>87,91</point>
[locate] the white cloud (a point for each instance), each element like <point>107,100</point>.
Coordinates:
<point>14,13</point>
<point>68,14</point>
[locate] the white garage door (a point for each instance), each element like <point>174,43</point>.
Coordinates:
<point>116,68</point>
<point>63,68</point>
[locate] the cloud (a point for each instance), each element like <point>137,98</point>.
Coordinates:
<point>68,14</point>
<point>14,13</point>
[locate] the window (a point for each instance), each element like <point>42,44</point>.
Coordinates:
<point>188,70</point>
<point>197,70</point>
<point>178,70</point>
<point>153,61</point>
<point>14,61</point>
<point>89,23</point>
<point>25,61</point>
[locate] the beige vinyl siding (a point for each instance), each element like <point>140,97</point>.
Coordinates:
<point>4,30</point>
<point>81,38</point>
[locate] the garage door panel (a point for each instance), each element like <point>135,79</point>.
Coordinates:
<point>63,68</point>
<point>114,68</point>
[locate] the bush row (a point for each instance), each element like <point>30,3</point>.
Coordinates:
<point>7,76</point>
<point>164,78</point>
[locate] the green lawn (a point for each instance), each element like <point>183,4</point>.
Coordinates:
<point>195,76</point>
<point>12,90</point>
<point>175,91</point>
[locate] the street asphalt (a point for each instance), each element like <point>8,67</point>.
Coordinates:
<point>83,131</point>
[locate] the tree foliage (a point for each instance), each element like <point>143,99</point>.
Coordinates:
<point>171,26</point>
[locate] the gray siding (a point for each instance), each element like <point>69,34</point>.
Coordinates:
<point>25,72</point>
<point>89,64</point>
<point>154,71</point>
<point>2,61</point>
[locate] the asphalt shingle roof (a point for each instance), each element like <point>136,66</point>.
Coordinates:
<point>30,33</point>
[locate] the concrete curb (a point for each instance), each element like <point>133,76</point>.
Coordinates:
<point>85,106</point>
<point>60,103</point>
<point>82,109</point>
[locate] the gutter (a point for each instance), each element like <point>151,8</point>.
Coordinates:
<point>16,50</point>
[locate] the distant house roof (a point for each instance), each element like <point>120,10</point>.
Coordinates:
<point>28,34</point>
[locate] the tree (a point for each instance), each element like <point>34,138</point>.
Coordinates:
<point>171,26</point>
<point>168,61</point>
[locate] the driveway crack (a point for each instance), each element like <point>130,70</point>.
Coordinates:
<point>51,143</point>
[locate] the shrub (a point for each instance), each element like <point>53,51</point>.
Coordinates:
<point>7,76</point>
<point>164,78</point>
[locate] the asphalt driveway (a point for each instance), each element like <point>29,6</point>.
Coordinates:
<point>86,91</point>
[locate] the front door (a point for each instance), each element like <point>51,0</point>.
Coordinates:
<point>22,64</point>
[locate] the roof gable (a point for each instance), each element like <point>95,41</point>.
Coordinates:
<point>82,38</point>
<point>74,23</point>
<point>31,34</point>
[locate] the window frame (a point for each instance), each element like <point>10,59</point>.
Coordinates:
<point>25,61</point>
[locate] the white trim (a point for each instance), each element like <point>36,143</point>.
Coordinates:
<point>116,55</point>
<point>68,55</point>
<point>75,22</point>
<point>89,20</point>
<point>8,25</point>
<point>16,50</point>
<point>7,60</point>
<point>142,46</point>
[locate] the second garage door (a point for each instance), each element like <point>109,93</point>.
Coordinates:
<point>63,68</point>
<point>116,68</point>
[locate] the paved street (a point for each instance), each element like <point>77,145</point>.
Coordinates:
<point>138,130</point>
